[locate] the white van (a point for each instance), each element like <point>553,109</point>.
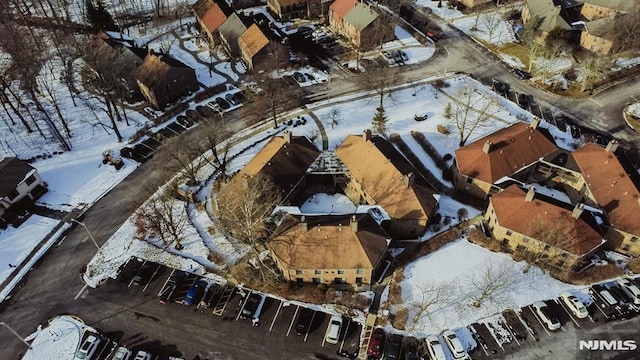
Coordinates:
<point>608,298</point>
<point>333,330</point>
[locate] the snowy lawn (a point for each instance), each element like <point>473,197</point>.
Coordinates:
<point>463,269</point>
<point>491,28</point>
<point>58,340</point>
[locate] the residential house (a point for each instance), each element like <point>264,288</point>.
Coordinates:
<point>253,46</point>
<point>20,186</point>
<point>163,79</point>
<point>380,175</point>
<point>475,3</point>
<point>243,4</point>
<point>329,249</point>
<point>284,159</point>
<point>337,11</point>
<point>480,165</point>
<point>287,10</point>
<point>210,15</point>
<point>606,184</point>
<point>548,15</point>
<point>231,30</point>
<point>364,27</point>
<point>598,35</point>
<point>598,9</point>
<point>537,228</point>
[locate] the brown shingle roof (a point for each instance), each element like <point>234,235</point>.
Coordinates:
<point>610,185</point>
<point>155,67</point>
<point>514,213</point>
<point>13,171</point>
<point>252,41</point>
<point>513,148</point>
<point>340,8</point>
<point>328,242</point>
<point>212,13</point>
<point>379,169</point>
<point>285,163</point>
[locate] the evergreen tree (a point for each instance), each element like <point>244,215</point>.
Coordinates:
<point>380,121</point>
<point>99,17</point>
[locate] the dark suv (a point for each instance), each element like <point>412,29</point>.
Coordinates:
<point>304,321</point>
<point>392,347</point>
<point>250,306</point>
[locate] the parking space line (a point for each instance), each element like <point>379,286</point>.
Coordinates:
<point>310,324</point>
<point>80,292</point>
<point>544,327</point>
<point>151,278</point>
<point>344,335</point>
<point>474,332</point>
<point>293,319</point>
<point>526,327</point>
<point>564,307</point>
<point>275,316</point>
<point>508,327</point>
<point>243,303</point>
<point>165,282</point>
<point>141,266</point>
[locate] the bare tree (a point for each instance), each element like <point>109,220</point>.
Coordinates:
<point>215,142</point>
<point>162,217</point>
<point>334,117</point>
<point>426,296</point>
<point>243,206</point>
<point>274,97</point>
<point>551,236</point>
<point>626,32</point>
<point>490,283</point>
<point>471,110</point>
<point>379,78</point>
<point>185,158</point>
<point>491,22</point>
<point>594,69</point>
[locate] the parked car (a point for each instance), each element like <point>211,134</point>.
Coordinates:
<point>122,353</point>
<point>231,98</point>
<point>398,58</point>
<point>547,317</point>
<point>392,347</point>
<point>434,348</point>
<point>620,295</point>
<point>454,344</point>
<point>195,291</point>
<point>389,57</point>
<point>376,343</point>
<point>169,289</point>
<point>403,55</point>
<point>222,102</point>
<point>574,304</point>
<point>142,355</point>
<point>431,35</point>
<point>333,330</point>
<point>522,74</point>
<point>144,273</point>
<point>87,348</point>
<point>421,115</point>
<point>410,350</point>
<point>304,320</point>
<point>603,295</point>
<point>250,306</point>
<point>631,289</point>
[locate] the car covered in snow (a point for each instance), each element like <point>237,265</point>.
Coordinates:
<point>455,345</point>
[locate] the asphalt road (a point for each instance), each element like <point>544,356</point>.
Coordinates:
<point>51,288</point>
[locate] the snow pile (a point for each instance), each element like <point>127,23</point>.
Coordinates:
<point>59,340</point>
<point>634,110</point>
<point>322,203</point>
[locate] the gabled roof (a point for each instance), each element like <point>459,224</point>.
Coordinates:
<point>515,213</point>
<point>285,162</point>
<point>611,187</point>
<point>231,30</point>
<point>252,41</point>
<point>120,53</point>
<point>155,67</point>
<point>618,5</point>
<point>328,242</point>
<point>603,27</point>
<point>340,8</point>
<point>361,16</point>
<point>549,14</point>
<point>212,13</point>
<point>382,172</point>
<point>512,149</point>
<point>13,171</point>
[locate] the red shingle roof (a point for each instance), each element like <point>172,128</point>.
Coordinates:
<point>340,8</point>
<point>211,13</point>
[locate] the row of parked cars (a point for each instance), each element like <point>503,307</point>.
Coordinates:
<point>391,346</point>
<point>399,57</point>
<point>92,343</point>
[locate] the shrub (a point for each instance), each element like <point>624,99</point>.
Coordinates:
<point>400,318</point>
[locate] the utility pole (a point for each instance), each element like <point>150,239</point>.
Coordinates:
<point>16,334</point>
<point>88,232</point>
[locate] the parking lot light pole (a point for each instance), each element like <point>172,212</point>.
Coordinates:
<point>446,61</point>
<point>88,232</point>
<point>16,334</point>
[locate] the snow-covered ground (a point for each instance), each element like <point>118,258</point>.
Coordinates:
<point>490,27</point>
<point>59,339</point>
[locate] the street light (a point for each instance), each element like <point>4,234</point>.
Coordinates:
<point>88,232</point>
<point>16,334</point>
<point>446,61</point>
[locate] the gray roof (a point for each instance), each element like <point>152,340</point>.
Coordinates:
<point>231,30</point>
<point>361,16</point>
<point>549,16</point>
<point>619,5</point>
<point>13,171</point>
<point>601,28</point>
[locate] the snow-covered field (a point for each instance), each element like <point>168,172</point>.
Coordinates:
<point>59,339</point>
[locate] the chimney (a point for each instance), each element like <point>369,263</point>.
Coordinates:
<point>287,137</point>
<point>408,179</point>
<point>303,224</point>
<point>366,135</point>
<point>612,146</point>
<point>487,146</point>
<point>530,194</point>
<point>353,224</point>
<point>577,211</point>
<point>534,123</point>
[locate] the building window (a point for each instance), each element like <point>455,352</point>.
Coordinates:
<point>299,281</point>
<point>560,263</point>
<point>298,272</point>
<point>14,194</point>
<point>633,239</point>
<point>359,281</point>
<point>546,247</point>
<point>360,271</point>
<point>509,232</point>
<point>626,247</point>
<point>339,280</point>
<point>469,180</point>
<point>564,255</point>
<point>340,272</point>
<point>525,239</point>
<point>30,180</point>
<point>318,272</point>
<point>317,280</point>
<point>520,248</point>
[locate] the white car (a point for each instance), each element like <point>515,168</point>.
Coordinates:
<point>574,304</point>
<point>434,348</point>
<point>546,316</point>
<point>87,348</point>
<point>454,344</point>
<point>121,354</point>
<point>333,330</point>
<point>142,355</point>
<point>631,289</point>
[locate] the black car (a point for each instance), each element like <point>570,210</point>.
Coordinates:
<point>223,103</point>
<point>250,306</point>
<point>500,86</point>
<point>129,270</point>
<point>522,74</point>
<point>173,283</point>
<point>410,350</point>
<point>304,321</point>
<point>231,99</point>
<point>144,273</point>
<point>392,347</point>
<point>525,100</point>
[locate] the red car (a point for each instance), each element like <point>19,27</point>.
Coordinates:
<point>376,344</point>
